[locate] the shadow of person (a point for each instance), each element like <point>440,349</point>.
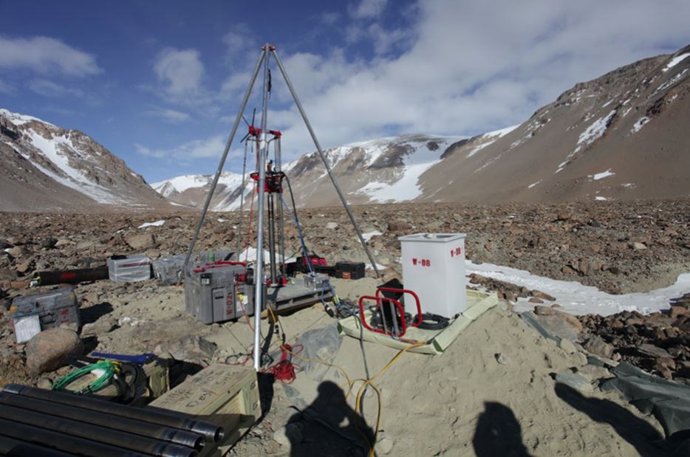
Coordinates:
<point>498,433</point>
<point>328,427</point>
<point>639,433</point>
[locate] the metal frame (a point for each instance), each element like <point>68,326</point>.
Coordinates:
<point>268,51</point>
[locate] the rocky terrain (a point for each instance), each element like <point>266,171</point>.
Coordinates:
<point>617,247</point>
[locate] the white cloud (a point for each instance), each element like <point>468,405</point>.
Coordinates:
<point>169,115</point>
<point>180,70</point>
<point>211,147</point>
<point>368,9</point>
<point>239,40</point>
<point>51,89</point>
<point>469,67</point>
<point>47,56</point>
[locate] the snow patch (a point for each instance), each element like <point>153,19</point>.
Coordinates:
<point>675,61</point>
<point>594,131</point>
<point>578,299</point>
<point>152,224</point>
<point>533,184</point>
<point>369,235</point>
<point>602,175</point>
<point>671,81</point>
<point>599,198</point>
<point>21,119</point>
<point>404,189</point>
<point>639,124</point>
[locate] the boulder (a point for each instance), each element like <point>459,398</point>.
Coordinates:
<point>598,346</point>
<point>141,241</point>
<point>52,349</point>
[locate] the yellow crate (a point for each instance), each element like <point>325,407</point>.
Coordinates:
<point>225,395</point>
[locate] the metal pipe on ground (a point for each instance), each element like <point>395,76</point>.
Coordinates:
<point>17,448</point>
<point>123,424</point>
<point>60,441</point>
<point>160,416</point>
<point>68,427</point>
<point>47,278</point>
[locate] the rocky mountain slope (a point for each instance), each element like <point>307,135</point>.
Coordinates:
<point>622,136</point>
<point>619,137</point>
<point>46,167</point>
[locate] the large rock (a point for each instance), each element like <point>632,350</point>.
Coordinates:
<point>596,345</point>
<point>52,349</point>
<point>141,241</point>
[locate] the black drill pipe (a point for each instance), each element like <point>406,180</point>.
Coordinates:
<point>61,442</point>
<point>123,424</point>
<point>47,278</point>
<point>149,414</point>
<point>97,433</point>
<point>17,448</point>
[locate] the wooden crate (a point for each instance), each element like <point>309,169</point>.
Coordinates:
<point>225,395</point>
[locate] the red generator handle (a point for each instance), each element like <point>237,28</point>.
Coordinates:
<point>419,319</point>
<point>379,301</point>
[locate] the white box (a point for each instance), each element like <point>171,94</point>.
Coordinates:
<point>434,268</point>
<point>131,268</point>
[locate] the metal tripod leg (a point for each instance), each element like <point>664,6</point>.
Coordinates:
<point>231,137</point>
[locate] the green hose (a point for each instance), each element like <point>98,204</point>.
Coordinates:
<point>109,369</point>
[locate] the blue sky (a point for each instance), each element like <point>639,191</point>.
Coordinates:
<point>159,82</point>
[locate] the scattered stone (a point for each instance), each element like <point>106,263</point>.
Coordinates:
<point>653,351</point>
<point>560,325</point>
<point>575,381</point>
<point>501,359</point>
<point>62,243</point>
<point>542,295</point>
<point>141,241</point>
<point>596,345</point>
<point>594,372</point>
<point>103,325</point>
<point>44,383</point>
<point>637,246</point>
<point>49,242</point>
<point>567,346</point>
<point>678,310</point>
<point>332,225</point>
<point>52,349</point>
<point>24,267</point>
<point>544,311</point>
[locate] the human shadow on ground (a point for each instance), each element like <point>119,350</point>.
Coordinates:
<point>498,433</point>
<point>328,427</point>
<point>646,440</point>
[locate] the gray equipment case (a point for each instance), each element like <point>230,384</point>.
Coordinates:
<point>213,294</point>
<point>168,270</point>
<point>53,308</point>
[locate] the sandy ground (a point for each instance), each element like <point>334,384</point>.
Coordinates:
<point>491,393</point>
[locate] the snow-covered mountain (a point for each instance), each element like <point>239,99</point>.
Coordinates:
<point>47,168</point>
<point>382,170</point>
<point>622,136</point>
<point>192,190</point>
